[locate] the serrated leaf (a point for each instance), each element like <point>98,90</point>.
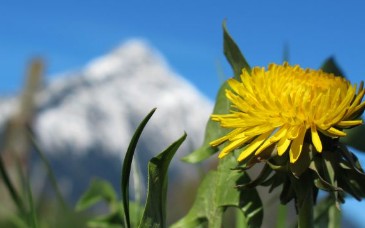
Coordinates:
<point>98,190</point>
<point>127,163</point>
<point>233,54</point>
<point>217,192</point>
<point>154,214</point>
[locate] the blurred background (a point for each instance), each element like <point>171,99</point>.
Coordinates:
<point>85,45</point>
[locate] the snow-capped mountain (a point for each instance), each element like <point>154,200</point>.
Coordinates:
<point>85,120</point>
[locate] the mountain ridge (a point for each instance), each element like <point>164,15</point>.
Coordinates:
<point>84,120</point>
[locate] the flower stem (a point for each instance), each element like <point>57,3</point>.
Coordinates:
<point>303,188</point>
<point>305,211</point>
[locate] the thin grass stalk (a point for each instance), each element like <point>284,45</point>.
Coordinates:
<point>31,214</point>
<point>9,185</point>
<point>48,167</point>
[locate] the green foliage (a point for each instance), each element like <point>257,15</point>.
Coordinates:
<point>212,130</point>
<point>233,54</point>
<point>99,190</point>
<point>326,214</point>
<point>154,214</point>
<point>120,213</point>
<point>127,163</point>
<point>48,168</point>
<point>217,192</point>
<point>222,105</point>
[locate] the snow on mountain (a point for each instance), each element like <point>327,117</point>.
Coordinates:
<point>85,119</point>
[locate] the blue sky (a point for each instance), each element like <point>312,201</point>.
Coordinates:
<point>68,34</point>
<point>188,33</point>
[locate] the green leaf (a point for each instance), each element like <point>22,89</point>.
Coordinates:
<point>212,131</point>
<point>222,105</point>
<point>286,52</point>
<point>31,216</point>
<point>330,66</point>
<point>217,192</point>
<point>112,220</point>
<point>98,190</point>
<point>127,163</point>
<point>9,185</point>
<point>154,214</point>
<point>47,166</point>
<point>326,214</point>
<point>233,54</point>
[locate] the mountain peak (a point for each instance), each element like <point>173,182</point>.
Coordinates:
<point>84,121</point>
<point>132,53</point>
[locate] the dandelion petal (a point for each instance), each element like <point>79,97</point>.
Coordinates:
<point>315,138</point>
<point>253,146</point>
<point>296,147</point>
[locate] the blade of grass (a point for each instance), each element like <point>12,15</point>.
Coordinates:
<point>127,163</point>
<point>48,167</point>
<point>9,185</point>
<point>31,216</point>
<point>154,214</point>
<point>137,185</point>
<point>282,214</point>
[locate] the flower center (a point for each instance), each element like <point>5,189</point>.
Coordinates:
<point>291,95</point>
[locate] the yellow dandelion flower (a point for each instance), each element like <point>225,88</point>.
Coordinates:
<point>281,104</point>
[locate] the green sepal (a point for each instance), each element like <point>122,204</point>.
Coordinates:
<point>287,193</point>
<point>352,159</point>
<point>319,180</point>
<point>330,162</point>
<point>355,138</point>
<point>303,162</point>
<point>261,178</point>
